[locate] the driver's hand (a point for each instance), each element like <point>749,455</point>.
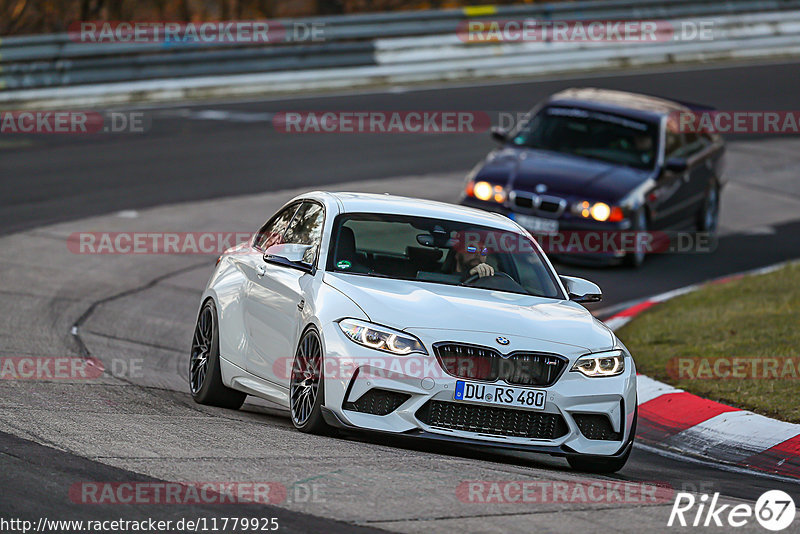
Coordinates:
<point>482,270</point>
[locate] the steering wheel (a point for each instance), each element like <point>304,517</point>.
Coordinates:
<point>475,277</point>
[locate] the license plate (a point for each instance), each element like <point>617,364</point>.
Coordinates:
<point>537,225</point>
<point>511,396</point>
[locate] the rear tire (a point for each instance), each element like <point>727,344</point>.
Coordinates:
<point>307,385</point>
<point>205,377</point>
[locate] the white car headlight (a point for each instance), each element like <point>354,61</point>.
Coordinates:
<point>381,337</point>
<point>609,363</point>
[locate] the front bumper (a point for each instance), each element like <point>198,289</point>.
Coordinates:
<point>563,451</point>
<point>591,250</point>
<point>418,380</point>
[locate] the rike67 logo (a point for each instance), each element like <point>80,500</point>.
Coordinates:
<point>774,510</point>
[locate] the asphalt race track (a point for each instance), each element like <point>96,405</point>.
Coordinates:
<point>139,423</point>
<point>191,154</point>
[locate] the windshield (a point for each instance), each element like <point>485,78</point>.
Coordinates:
<point>591,135</point>
<point>440,252</point>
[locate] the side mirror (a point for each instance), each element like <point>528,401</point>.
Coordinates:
<point>498,134</point>
<point>289,254</point>
<point>581,290</point>
<point>676,165</point>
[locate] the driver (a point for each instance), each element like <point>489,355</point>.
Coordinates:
<point>471,261</point>
<point>643,144</point>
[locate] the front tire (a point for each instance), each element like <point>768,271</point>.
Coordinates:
<point>307,385</point>
<point>635,259</point>
<point>708,216</point>
<point>205,378</point>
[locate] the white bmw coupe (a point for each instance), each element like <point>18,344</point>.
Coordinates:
<point>415,318</point>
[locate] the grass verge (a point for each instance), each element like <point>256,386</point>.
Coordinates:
<point>737,343</point>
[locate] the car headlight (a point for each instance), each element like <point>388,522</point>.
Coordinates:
<point>486,191</point>
<point>381,337</point>
<point>599,211</point>
<point>609,363</point>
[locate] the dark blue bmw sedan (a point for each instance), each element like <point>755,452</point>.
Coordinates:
<point>588,160</point>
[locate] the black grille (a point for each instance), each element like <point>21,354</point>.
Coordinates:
<point>467,361</point>
<point>523,202</point>
<point>541,204</point>
<point>377,402</point>
<point>596,426</point>
<point>483,363</point>
<point>550,206</point>
<point>490,420</point>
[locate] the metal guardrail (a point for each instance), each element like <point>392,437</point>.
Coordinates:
<point>55,60</point>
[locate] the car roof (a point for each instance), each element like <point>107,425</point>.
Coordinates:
<point>398,205</point>
<point>635,105</point>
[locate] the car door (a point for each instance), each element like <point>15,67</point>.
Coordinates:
<point>254,268</point>
<point>699,153</point>
<point>276,297</point>
<point>668,198</point>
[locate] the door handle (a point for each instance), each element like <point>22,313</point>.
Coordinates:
<point>686,177</point>
<point>261,270</point>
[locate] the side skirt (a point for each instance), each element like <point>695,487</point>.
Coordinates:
<point>237,378</point>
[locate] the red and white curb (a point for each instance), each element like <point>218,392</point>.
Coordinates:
<point>674,419</point>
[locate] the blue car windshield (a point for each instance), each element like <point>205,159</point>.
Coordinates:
<point>592,135</point>
<point>441,252</point>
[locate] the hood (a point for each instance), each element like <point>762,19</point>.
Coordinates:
<point>562,174</point>
<point>409,305</point>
